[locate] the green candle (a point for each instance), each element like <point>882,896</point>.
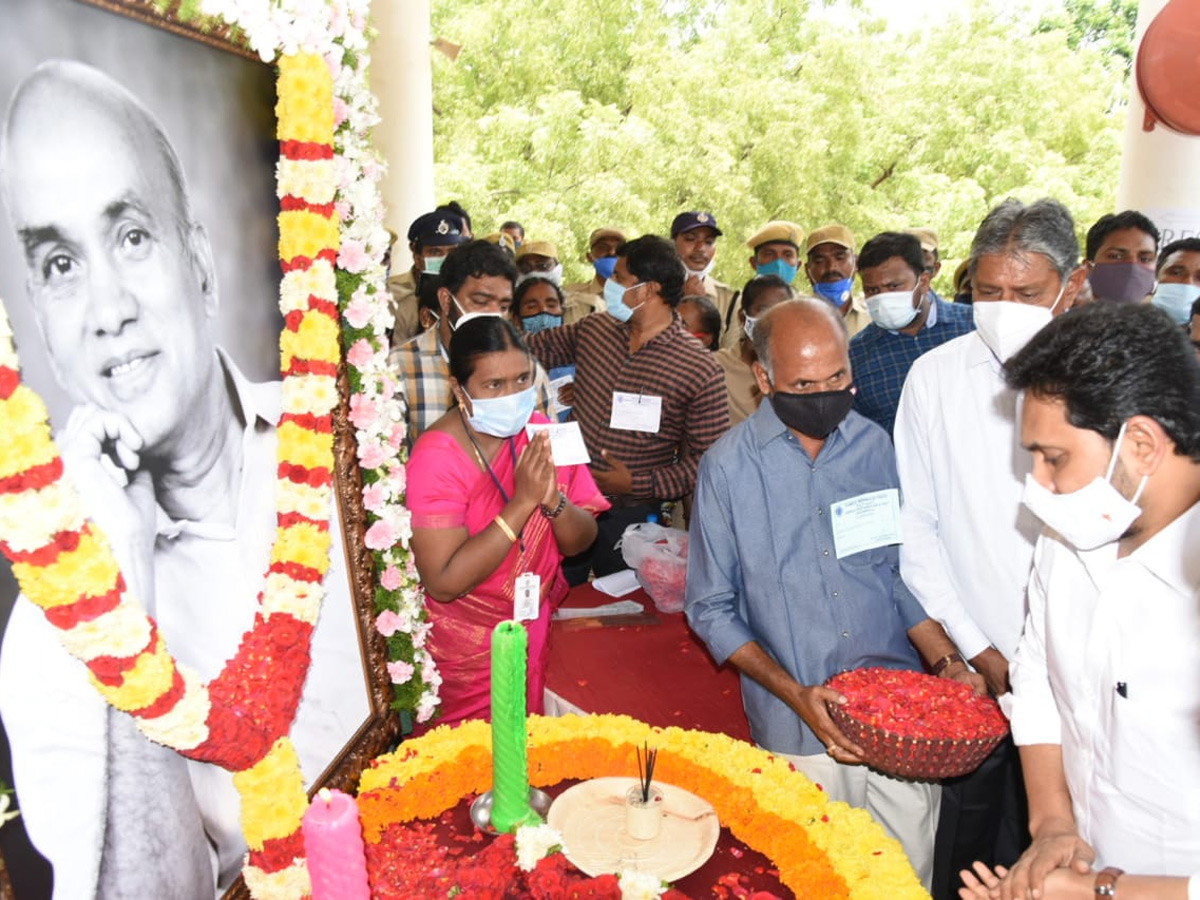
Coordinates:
<point>510,768</point>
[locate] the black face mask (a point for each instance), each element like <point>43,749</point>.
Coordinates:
<point>814,415</point>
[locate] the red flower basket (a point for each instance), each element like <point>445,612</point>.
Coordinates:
<point>915,725</point>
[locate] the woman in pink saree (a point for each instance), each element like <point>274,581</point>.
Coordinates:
<point>489,507</point>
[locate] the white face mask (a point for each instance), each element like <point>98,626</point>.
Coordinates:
<point>699,273</point>
<point>748,327</point>
<point>1092,516</point>
<point>1006,325</point>
<point>464,317</point>
<point>892,310</point>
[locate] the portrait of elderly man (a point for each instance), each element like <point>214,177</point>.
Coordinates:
<point>174,451</point>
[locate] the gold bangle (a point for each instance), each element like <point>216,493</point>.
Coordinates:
<point>506,528</point>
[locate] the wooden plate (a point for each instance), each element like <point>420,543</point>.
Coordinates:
<point>591,818</point>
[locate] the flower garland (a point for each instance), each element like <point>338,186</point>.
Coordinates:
<point>822,848</point>
<point>337,30</point>
<point>66,567</point>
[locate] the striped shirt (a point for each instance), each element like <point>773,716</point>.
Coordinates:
<point>673,366</point>
<point>424,372</point>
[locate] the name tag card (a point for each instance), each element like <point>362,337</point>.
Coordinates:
<point>566,442</point>
<point>866,522</point>
<point>527,597</point>
<point>557,407</point>
<point>635,412</point>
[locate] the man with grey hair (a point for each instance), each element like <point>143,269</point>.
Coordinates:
<point>793,570</point>
<point>174,452</point>
<point>968,541</point>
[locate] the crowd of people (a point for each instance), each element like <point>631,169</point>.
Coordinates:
<point>1002,488</point>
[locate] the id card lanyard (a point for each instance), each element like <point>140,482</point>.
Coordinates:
<point>527,589</point>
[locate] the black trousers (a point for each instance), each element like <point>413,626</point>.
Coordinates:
<point>603,557</point>
<point>984,817</point>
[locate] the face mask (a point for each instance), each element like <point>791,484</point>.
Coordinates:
<point>778,267</point>
<point>815,415</point>
<point>1176,300</point>
<point>433,264</point>
<point>699,273</point>
<point>748,327</point>
<point>604,266</point>
<point>540,322</point>
<point>464,317</point>
<point>1122,282</point>
<point>502,416</point>
<point>1006,326</point>
<point>1090,517</point>
<point>892,310</point>
<point>614,300</point>
<point>836,292</point>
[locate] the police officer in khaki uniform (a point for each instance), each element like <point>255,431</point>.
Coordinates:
<point>695,235</point>
<point>430,237</point>
<point>775,251</point>
<point>583,298</point>
<point>829,262</point>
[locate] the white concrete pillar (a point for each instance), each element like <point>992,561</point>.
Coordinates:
<point>1158,168</point>
<point>402,78</point>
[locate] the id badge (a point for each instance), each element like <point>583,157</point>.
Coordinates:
<point>635,412</point>
<point>527,598</point>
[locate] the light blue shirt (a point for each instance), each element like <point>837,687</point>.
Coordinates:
<point>762,565</point>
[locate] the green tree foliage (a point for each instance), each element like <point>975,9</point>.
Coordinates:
<point>572,114</point>
<point>1106,25</point>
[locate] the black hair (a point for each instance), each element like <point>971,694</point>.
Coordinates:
<point>883,247</point>
<point>479,337</point>
<point>523,289</point>
<point>1110,361</point>
<point>710,318</point>
<point>427,293</point>
<point>1190,245</point>
<point>513,223</point>
<point>1106,225</point>
<point>756,286</point>
<point>653,258</point>
<point>1195,309</point>
<point>475,259</point>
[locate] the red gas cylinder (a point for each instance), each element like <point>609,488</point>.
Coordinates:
<point>1168,68</point>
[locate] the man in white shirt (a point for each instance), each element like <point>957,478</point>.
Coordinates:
<point>968,542</point>
<point>1106,682</point>
<point>174,453</point>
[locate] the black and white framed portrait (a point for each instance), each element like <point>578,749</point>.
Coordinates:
<point>139,269</point>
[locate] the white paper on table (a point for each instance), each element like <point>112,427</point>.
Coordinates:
<point>618,584</point>
<point>556,385</point>
<point>566,442</point>
<point>616,608</point>
<point>866,522</point>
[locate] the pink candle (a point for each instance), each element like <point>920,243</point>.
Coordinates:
<point>333,844</point>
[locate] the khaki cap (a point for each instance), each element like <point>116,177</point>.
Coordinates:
<point>538,248</point>
<point>831,234</point>
<point>777,232</point>
<point>927,236</point>
<point>601,233</point>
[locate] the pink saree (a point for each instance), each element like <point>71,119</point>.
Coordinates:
<point>446,489</point>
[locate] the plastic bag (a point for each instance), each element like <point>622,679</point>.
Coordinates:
<point>659,557</point>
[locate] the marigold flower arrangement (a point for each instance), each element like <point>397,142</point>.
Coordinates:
<point>822,848</point>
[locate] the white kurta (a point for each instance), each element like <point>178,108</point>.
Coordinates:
<point>1109,667</point>
<point>968,540</point>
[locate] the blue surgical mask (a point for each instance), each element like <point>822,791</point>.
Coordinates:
<point>835,292</point>
<point>433,264</point>
<point>1176,300</point>
<point>604,266</point>
<point>502,417</point>
<point>614,300</point>
<point>779,267</point>
<point>540,322</point>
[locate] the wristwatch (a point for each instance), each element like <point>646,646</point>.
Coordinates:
<point>1106,881</point>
